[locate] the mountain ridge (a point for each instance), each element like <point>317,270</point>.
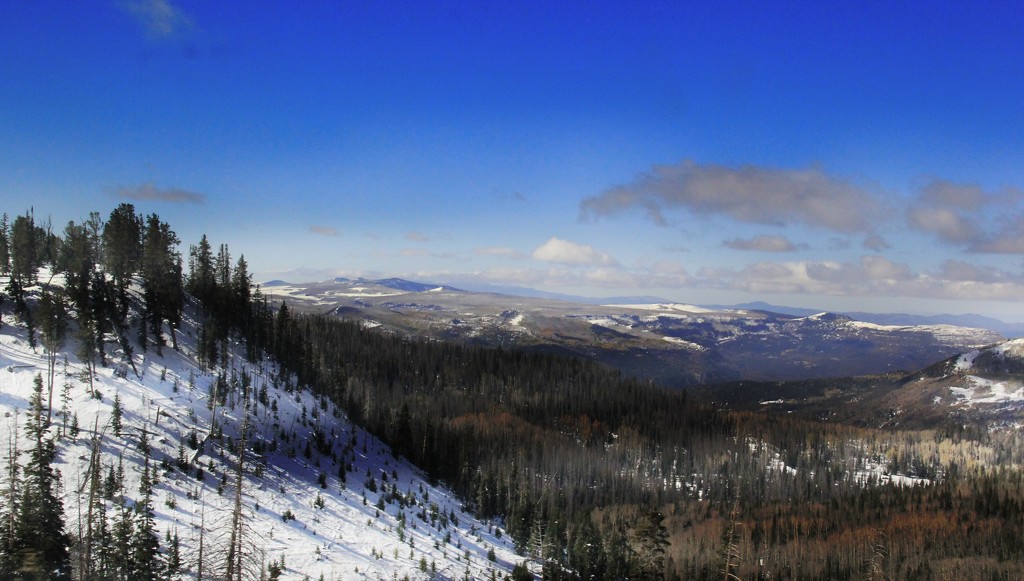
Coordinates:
<point>675,344</point>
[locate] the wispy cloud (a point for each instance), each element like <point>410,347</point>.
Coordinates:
<point>323,230</point>
<point>876,243</point>
<point>499,251</point>
<point>764,243</point>
<point>749,194</point>
<point>149,192</point>
<point>661,275</point>
<point>566,252</point>
<point>417,236</point>
<point>161,19</point>
<point>837,243</point>
<point>424,253</point>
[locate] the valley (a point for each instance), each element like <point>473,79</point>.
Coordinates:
<point>192,424</point>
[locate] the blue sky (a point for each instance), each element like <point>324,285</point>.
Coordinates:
<point>843,156</point>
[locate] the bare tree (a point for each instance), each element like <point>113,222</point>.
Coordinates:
<point>731,555</point>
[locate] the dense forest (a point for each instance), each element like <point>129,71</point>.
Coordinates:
<point>594,474</point>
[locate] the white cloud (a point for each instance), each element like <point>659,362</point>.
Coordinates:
<point>566,252</point>
<point>948,224</point>
<point>749,194</point>
<point>872,276</point>
<point>968,216</point>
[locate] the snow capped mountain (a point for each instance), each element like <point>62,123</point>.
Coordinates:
<point>320,496</point>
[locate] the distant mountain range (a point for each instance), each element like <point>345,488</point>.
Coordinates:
<point>1007,329</point>
<point>905,319</point>
<point>677,345</point>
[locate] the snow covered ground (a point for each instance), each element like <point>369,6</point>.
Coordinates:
<point>386,521</point>
<point>942,333</point>
<point>981,390</point>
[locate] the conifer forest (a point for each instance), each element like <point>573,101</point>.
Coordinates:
<point>591,473</point>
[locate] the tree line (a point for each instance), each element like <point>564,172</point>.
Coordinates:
<point>124,289</point>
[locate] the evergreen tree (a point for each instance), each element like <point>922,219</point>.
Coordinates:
<point>173,561</point>
<point>115,415</point>
<point>122,249</point>
<point>122,557</point>
<point>162,291</point>
<point>241,295</point>
<point>42,547</point>
<point>651,541</point>
<point>9,512</point>
<point>145,545</point>
<point>77,260</point>
<point>5,244</point>
<point>24,250</point>
<point>586,555</point>
<point>202,282</point>
<point>621,557</point>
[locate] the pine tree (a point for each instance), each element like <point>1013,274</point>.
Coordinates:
<point>173,561</point>
<point>121,559</point>
<point>24,250</point>
<point>145,544</point>
<point>5,244</point>
<point>201,280</point>
<point>24,239</point>
<point>162,291</point>
<point>115,415</point>
<point>122,250</point>
<point>77,261</point>
<point>9,514</point>
<point>652,541</point>
<point>42,547</point>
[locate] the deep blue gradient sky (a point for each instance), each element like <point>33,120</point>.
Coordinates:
<point>843,156</point>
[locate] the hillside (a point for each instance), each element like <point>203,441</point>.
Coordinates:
<point>984,385</point>
<point>358,512</point>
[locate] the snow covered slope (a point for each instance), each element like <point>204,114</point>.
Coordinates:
<point>382,520</point>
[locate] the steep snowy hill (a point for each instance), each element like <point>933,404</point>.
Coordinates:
<point>319,495</point>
